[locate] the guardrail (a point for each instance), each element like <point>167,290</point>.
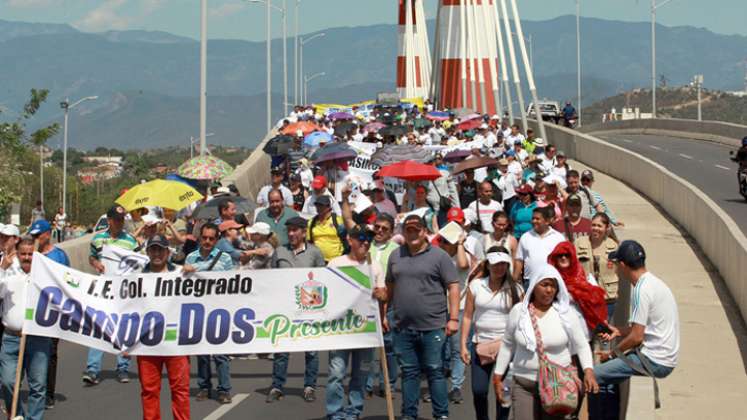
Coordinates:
<point>715,131</point>
<point>716,233</point>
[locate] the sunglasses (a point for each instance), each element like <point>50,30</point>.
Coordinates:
<point>381,227</point>
<point>568,256</point>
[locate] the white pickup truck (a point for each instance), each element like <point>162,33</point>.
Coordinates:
<point>551,110</point>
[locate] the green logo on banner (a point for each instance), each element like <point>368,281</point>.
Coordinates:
<point>311,295</point>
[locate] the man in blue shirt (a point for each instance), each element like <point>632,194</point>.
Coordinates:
<point>210,258</point>
<point>41,230</point>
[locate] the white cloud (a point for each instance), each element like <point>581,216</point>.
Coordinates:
<point>226,9</point>
<point>31,4</point>
<point>105,17</point>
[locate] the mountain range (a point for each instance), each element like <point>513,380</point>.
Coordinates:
<point>148,81</point>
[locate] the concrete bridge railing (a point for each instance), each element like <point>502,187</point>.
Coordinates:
<point>716,233</point>
<point>715,131</point>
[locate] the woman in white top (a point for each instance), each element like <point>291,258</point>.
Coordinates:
<point>502,234</point>
<point>562,337</point>
<point>490,296</point>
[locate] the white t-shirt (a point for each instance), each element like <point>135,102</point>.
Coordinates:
<point>486,213</point>
<point>309,208</point>
<point>521,155</point>
<point>511,139</point>
<point>59,220</point>
<point>262,199</point>
<point>653,306</point>
<point>346,261</point>
<point>491,310</point>
<point>533,249</point>
<point>13,295</point>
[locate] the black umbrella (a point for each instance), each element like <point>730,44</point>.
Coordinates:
<point>209,210</point>
<point>393,130</point>
<point>334,151</point>
<point>456,156</point>
<point>394,153</point>
<point>279,145</point>
<point>342,129</point>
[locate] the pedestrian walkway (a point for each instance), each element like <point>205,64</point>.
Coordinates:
<point>711,378</point>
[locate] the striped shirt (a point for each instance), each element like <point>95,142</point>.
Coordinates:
<point>124,240</point>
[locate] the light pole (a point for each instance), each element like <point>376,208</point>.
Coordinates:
<point>698,82</point>
<point>283,11</point>
<point>192,142</point>
<point>203,73</point>
<point>578,61</point>
<point>295,55</point>
<point>306,81</point>
<point>654,6</point>
<point>67,106</point>
<point>303,42</point>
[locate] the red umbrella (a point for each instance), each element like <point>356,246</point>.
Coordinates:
<point>410,171</point>
<point>470,124</point>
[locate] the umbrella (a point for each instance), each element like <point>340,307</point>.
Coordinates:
<point>469,124</point>
<point>341,116</point>
<point>204,167</point>
<point>343,128</point>
<point>422,123</point>
<point>174,177</point>
<point>410,171</point>
<point>279,145</point>
<point>462,112</point>
<point>438,116</point>
<point>470,117</point>
<point>393,130</point>
<point>317,137</point>
<point>334,151</point>
<point>306,127</point>
<point>209,210</point>
<point>456,156</point>
<point>474,163</point>
<point>173,195</point>
<point>374,126</point>
<point>395,153</point>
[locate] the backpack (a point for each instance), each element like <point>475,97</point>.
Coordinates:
<point>341,232</point>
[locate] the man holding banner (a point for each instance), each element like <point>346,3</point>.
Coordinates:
<point>359,359</point>
<point>150,367</point>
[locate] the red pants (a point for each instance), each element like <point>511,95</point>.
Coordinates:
<point>177,368</point>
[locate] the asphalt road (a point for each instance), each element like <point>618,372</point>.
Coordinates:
<point>704,164</point>
<point>250,379</point>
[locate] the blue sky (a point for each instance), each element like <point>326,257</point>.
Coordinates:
<point>243,20</point>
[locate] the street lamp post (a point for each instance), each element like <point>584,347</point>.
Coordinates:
<point>192,142</point>
<point>578,61</point>
<point>67,106</point>
<point>303,42</point>
<point>283,11</point>
<point>295,55</point>
<point>654,6</point>
<point>203,73</point>
<point>698,81</point>
<point>306,81</point>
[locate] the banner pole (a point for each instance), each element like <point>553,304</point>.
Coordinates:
<point>19,369</point>
<point>382,354</point>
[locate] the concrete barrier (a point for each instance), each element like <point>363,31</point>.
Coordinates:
<point>715,232</point>
<point>715,131</point>
<point>78,250</point>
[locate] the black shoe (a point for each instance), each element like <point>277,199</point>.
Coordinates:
<point>274,395</point>
<point>49,403</point>
<point>369,394</point>
<point>309,394</point>
<point>203,395</point>
<point>91,379</point>
<point>123,377</point>
<point>427,397</point>
<point>455,396</point>
<point>224,398</point>
<point>382,392</point>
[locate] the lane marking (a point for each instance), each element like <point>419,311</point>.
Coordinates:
<point>723,167</point>
<point>223,409</point>
<point>628,141</point>
<point>686,156</point>
<point>655,147</point>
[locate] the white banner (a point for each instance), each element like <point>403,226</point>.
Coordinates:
<point>119,261</point>
<point>233,312</point>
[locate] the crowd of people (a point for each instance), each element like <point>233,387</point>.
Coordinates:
<point>504,273</point>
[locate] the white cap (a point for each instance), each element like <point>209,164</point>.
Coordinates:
<point>495,117</point>
<point>10,230</point>
<point>223,190</point>
<point>539,142</point>
<point>261,228</point>
<point>484,126</point>
<point>151,219</point>
<point>498,257</point>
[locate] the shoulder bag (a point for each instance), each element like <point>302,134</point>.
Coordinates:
<point>487,352</point>
<point>559,386</point>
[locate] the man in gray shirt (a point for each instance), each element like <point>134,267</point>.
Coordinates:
<point>418,279</point>
<point>298,253</point>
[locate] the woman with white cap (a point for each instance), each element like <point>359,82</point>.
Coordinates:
<point>490,296</point>
<point>265,242</point>
<point>543,331</point>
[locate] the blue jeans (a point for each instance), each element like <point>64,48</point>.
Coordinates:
<point>222,370</point>
<point>280,369</point>
<point>616,371</point>
<point>360,366</point>
<point>482,377</point>
<point>391,361</point>
<point>418,350</point>
<point>93,364</point>
<point>35,361</point>
<point>453,357</point>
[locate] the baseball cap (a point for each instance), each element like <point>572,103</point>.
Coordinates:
<point>629,252</point>
<point>524,189</point>
<point>574,199</point>
<point>40,226</point>
<point>361,233</point>
<point>455,214</point>
<point>413,220</point>
<point>539,142</point>
<point>587,174</point>
<point>276,170</point>
<point>157,240</point>
<point>498,257</point>
<point>261,228</point>
<point>319,182</point>
<point>323,200</point>
<point>116,212</point>
<point>298,222</point>
<point>228,224</point>
<point>10,230</point>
